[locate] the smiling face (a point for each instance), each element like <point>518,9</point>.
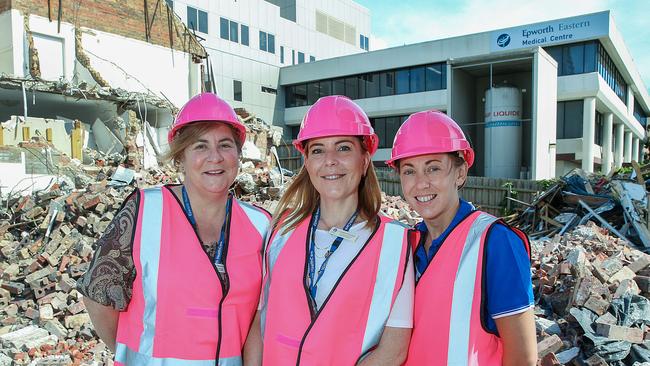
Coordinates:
<point>211,162</point>
<point>430,185</point>
<point>336,166</point>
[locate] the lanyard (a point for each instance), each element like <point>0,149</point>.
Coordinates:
<point>222,238</point>
<point>313,281</point>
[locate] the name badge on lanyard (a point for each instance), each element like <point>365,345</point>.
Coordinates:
<point>343,234</point>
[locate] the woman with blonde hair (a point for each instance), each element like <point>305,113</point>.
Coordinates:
<point>338,284</point>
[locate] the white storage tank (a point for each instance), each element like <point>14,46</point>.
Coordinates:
<point>503,132</point>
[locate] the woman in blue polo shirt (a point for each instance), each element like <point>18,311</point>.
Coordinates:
<point>473,300</point>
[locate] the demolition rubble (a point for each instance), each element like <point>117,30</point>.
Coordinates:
<point>591,275</point>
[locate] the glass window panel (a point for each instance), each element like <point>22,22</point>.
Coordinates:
<point>372,85</point>
<point>392,125</point>
<point>598,132</point>
<point>443,73</point>
<point>290,97</point>
<point>559,132</point>
<point>301,57</point>
<point>352,87</point>
<point>301,95</point>
<point>367,44</point>
<point>387,81</point>
<point>224,29</point>
<point>203,22</point>
<point>556,53</point>
<point>262,41</point>
<point>237,92</point>
<point>362,86</point>
<point>573,59</point>
<point>416,75</point>
<point>313,92</point>
<point>244,35</point>
<point>402,81</point>
<point>191,18</point>
<point>433,77</point>
<point>325,88</point>
<point>271,43</point>
<point>590,56</point>
<point>281,54</point>
<point>312,58</point>
<point>338,87</point>
<point>573,119</point>
<point>234,35</point>
<point>361,43</point>
<point>380,130</point>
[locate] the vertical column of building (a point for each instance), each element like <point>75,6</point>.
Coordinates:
<point>630,101</point>
<point>588,132</point>
<point>607,157</point>
<point>635,148</point>
<point>627,152</point>
<point>618,141</point>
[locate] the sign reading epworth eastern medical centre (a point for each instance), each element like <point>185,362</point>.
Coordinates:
<point>567,30</point>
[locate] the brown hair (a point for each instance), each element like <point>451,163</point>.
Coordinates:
<point>189,134</point>
<point>301,198</point>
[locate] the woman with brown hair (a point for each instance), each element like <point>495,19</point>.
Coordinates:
<point>338,284</point>
<point>176,277</point>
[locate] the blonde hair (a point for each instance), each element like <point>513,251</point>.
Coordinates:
<point>301,198</point>
<point>189,134</point>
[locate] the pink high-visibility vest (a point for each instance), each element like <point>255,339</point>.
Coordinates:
<point>350,322</point>
<point>448,324</point>
<point>180,312</point>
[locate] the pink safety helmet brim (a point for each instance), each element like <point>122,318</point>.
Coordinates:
<point>207,107</point>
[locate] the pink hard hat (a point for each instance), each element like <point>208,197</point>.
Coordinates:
<point>336,115</point>
<point>207,107</point>
<point>429,132</point>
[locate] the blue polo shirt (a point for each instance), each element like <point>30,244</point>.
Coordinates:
<point>509,284</point>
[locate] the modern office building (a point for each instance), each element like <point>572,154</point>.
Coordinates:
<point>536,100</point>
<point>249,41</point>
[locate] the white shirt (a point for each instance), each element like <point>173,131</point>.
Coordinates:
<point>401,315</point>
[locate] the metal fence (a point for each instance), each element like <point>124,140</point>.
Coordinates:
<point>489,194</point>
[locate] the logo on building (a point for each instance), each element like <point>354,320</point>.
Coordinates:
<point>503,40</point>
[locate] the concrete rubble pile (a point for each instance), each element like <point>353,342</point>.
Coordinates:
<point>47,240</point>
<point>591,292</point>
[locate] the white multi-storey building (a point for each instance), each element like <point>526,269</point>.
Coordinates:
<point>249,41</point>
<point>536,100</point>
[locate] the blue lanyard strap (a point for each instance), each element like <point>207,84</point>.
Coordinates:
<point>313,280</point>
<point>222,238</point>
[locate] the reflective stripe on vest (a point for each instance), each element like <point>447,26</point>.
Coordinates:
<point>372,281</point>
<point>181,324</point>
<point>125,356</point>
<point>453,335</point>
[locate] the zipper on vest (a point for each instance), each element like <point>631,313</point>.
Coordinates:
<point>312,309</point>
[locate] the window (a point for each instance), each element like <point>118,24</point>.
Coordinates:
<point>244,35</point>
<point>402,81</point>
<point>598,131</point>
<point>313,92</point>
<point>386,129</point>
<point>301,57</point>
<point>234,34</point>
<point>372,85</point>
<point>363,42</point>
<point>301,95</point>
<point>266,89</point>
<point>639,114</point>
<point>267,42</point>
<point>281,54</point>
<point>224,29</point>
<point>263,41</point>
<point>417,79</point>
<point>352,87</point>
<point>325,88</point>
<point>569,119</point>
<point>197,20</point>
<point>387,83</point>
<point>433,77</point>
<point>293,57</point>
<point>170,3</point>
<point>338,87</point>
<point>312,58</point>
<point>271,43</point>
<point>237,93</point>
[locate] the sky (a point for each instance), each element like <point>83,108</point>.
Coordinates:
<point>395,23</point>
